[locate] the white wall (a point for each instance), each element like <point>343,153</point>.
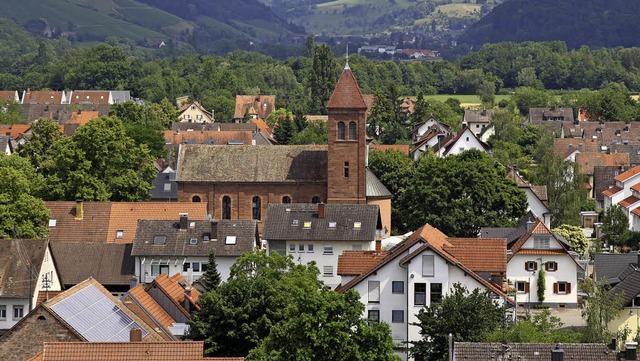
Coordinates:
<point>567,272</point>
<point>538,208</point>
<point>176,266</point>
<point>47,269</point>
<point>9,321</point>
<point>465,142</point>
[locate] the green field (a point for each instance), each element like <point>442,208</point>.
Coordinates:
<point>469,100</point>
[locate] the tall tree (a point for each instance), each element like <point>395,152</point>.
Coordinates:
<point>468,315</point>
<point>540,327</point>
<point>487,92</point>
<point>615,224</point>
<point>284,130</point>
<point>602,307</point>
<point>322,79</point>
<point>211,278</point>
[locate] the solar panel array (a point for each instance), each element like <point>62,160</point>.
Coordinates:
<point>95,316</point>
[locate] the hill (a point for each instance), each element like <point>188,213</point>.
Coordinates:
<point>203,23</point>
<point>596,23</point>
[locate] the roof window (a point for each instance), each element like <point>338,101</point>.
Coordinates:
<point>206,237</point>
<point>294,223</point>
<point>357,225</point>
<point>120,234</point>
<point>160,239</point>
<point>52,223</point>
<point>230,240</point>
<point>333,225</point>
<point>307,225</point>
<point>193,241</point>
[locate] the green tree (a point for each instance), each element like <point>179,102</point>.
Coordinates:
<point>615,224</point>
<point>527,77</point>
<point>322,79</point>
<point>601,308</point>
<point>468,316</point>
<point>487,92</point>
<point>23,214</point>
<point>575,236</point>
<point>211,278</point>
<point>314,133</point>
<point>536,328</point>
<point>10,112</point>
<point>284,130</point>
<point>526,98</point>
<point>44,133</point>
<point>462,193</point>
<point>542,285</point>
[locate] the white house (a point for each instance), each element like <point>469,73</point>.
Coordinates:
<point>195,113</point>
<point>322,232</point>
<point>537,199</point>
<point>477,119</point>
<point>539,249</point>
<point>396,284</point>
<point>26,268</point>
<point>626,194</point>
<point>170,247</point>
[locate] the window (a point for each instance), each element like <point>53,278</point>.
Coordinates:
<point>294,223</point>
<point>193,241</point>
<point>436,293</point>
<point>374,291</point>
<point>159,270</point>
<point>562,288</point>
<point>333,225</point>
<point>522,287</point>
<point>374,315</point>
<point>195,199</point>
<point>309,248</point>
<point>195,266</point>
<point>286,199</point>
<point>352,130</point>
<point>301,248</point>
<point>541,242</point>
<point>346,169</point>
<point>328,249</point>
<point>531,266</point>
<point>551,266</point>
<point>159,240</point>
<point>419,293</point>
<point>226,207</point>
<point>230,240</point>
<point>340,130</point>
<point>205,267</point>
<point>18,312</point>
<point>167,187</point>
<point>397,316</point>
<point>306,225</point>
<point>327,271</point>
<point>315,199</point>
<point>256,208</point>
<point>397,287</point>
<point>3,312</point>
<point>186,266</point>
<point>427,265</point>
<point>119,234</point>
<point>52,223</point>
<point>292,248</point>
<point>357,225</point>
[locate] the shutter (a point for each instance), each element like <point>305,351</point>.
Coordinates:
<point>535,266</point>
<point>526,287</point>
<point>568,287</point>
<point>525,266</point>
<point>556,265</point>
<point>546,266</point>
<point>555,288</point>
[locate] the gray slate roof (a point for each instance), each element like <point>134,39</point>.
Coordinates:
<point>260,163</point>
<point>629,287</point>
<point>16,256</point>
<point>609,266</point>
<point>158,192</point>
<point>109,263</point>
<point>478,115</point>
<point>512,234</point>
<point>287,222</point>
<point>483,351</point>
<point>177,242</point>
<point>184,126</point>
<point>375,188</point>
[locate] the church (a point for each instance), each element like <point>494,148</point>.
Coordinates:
<point>238,182</point>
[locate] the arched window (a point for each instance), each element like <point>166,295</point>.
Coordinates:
<point>340,130</point>
<point>286,199</point>
<point>226,207</point>
<point>256,208</point>
<point>315,199</point>
<point>352,130</point>
<point>196,199</point>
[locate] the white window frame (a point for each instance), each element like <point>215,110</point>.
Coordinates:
<point>301,248</point>
<point>328,249</point>
<point>373,288</point>
<point>292,248</point>
<point>564,284</point>
<point>3,313</point>
<point>119,233</point>
<point>428,265</point>
<point>327,271</point>
<point>310,248</point>
<point>18,309</point>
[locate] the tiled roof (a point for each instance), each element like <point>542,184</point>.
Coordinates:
<point>262,105</point>
<point>542,251</point>
<point>208,136</point>
<point>44,296</point>
<point>478,115</point>
<point>108,263</point>
<point>42,97</point>
<point>228,163</point>
<point>123,351</point>
<point>16,256</point>
<point>300,221</point>
<point>354,263</point>
<point>628,174</point>
<point>629,201</point>
<point>631,147</point>
<point>186,127</point>
<point>36,357</point>
<point>370,101</point>
<point>539,228</point>
<point>563,147</point>
<point>347,93</point>
<point>159,190</point>
<point>172,287</point>
<point>200,107</point>
<point>611,191</point>
<point>539,115</point>
<point>177,242</point>
<point>588,160</point>
<point>83,117</point>
<point>89,97</point>
<point>606,133</point>
<point>92,227</point>
<point>261,125</point>
<point>512,234</point>
<point>59,112</point>
<point>15,131</point>
<point>404,148</point>
<point>375,188</point>
<point>609,266</point>
<point>483,351</point>
<point>150,305</point>
<point>489,254</point>
<point>541,193</point>
<point>9,95</point>
<point>629,286</point>
<point>636,211</point>
<point>125,215</point>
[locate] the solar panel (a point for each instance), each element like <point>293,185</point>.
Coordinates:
<point>95,316</point>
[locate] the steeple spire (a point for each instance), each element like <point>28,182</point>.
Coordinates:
<point>346,67</point>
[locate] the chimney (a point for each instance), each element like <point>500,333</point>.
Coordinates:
<point>187,291</point>
<point>630,352</point>
<point>557,354</point>
<point>184,221</point>
<point>378,245</point>
<point>79,209</point>
<point>580,147</point>
<point>321,211</point>
<point>133,282</point>
<point>135,335</point>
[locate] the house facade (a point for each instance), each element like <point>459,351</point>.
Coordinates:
<point>477,120</point>
<point>195,113</point>
<point>626,194</point>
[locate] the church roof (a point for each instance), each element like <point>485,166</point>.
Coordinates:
<point>347,93</point>
<point>375,188</point>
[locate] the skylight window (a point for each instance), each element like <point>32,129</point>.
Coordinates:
<point>333,225</point>
<point>206,237</point>
<point>120,234</point>
<point>307,225</point>
<point>230,240</point>
<point>159,240</point>
<point>52,223</point>
<point>294,223</point>
<point>357,225</point>
<point>193,241</point>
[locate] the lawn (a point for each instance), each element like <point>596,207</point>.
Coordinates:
<point>466,100</point>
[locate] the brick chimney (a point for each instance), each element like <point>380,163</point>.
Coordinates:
<point>79,209</point>
<point>135,335</point>
<point>321,210</point>
<point>378,245</point>
<point>184,221</point>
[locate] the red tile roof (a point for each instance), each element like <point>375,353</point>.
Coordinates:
<point>628,174</point>
<point>261,105</point>
<point>636,211</point>
<point>91,227</point>
<point>15,131</point>
<point>123,351</point>
<point>370,101</point>
<point>354,263</point>
<point>541,251</point>
<point>588,160</point>
<point>9,95</point>
<point>261,125</point>
<point>565,146</point>
<point>636,187</point>
<point>347,93</point>
<point>171,287</point>
<point>83,117</point>
<point>486,254</point>
<point>42,97</point>
<point>629,201</point>
<point>611,191</point>
<point>44,296</point>
<point>148,303</point>
<point>92,97</point>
